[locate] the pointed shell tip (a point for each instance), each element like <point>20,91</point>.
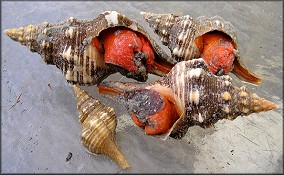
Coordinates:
<point>9,32</point>
<point>6,31</point>
<point>270,105</point>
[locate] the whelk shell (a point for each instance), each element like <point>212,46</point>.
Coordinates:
<point>182,34</point>
<point>69,46</point>
<point>189,91</point>
<point>98,127</point>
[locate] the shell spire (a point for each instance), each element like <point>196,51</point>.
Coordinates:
<point>189,91</point>
<point>25,35</point>
<point>257,104</point>
<point>98,127</point>
<point>186,38</point>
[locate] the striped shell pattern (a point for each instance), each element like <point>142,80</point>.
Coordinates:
<point>98,127</point>
<point>205,98</point>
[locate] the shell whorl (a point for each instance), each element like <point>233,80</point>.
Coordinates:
<point>25,36</point>
<point>206,98</point>
<point>87,105</point>
<point>197,96</point>
<point>175,31</point>
<point>98,127</point>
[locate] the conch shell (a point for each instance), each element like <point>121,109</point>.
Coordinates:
<point>68,46</point>
<point>98,127</point>
<point>183,33</point>
<point>188,95</point>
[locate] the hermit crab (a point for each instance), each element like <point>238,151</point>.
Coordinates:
<point>88,51</point>
<point>188,95</point>
<point>214,39</point>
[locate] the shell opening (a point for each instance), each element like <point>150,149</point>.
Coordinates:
<point>222,56</point>
<point>153,110</point>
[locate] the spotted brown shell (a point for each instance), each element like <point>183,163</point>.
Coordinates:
<point>200,97</point>
<point>67,46</point>
<point>180,32</point>
<point>205,98</point>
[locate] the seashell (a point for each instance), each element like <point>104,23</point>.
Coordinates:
<point>98,127</point>
<point>71,47</point>
<point>185,37</point>
<point>188,95</point>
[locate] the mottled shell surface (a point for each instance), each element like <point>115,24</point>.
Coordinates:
<point>205,98</point>
<point>98,127</point>
<point>179,33</point>
<point>67,45</point>
<point>200,97</point>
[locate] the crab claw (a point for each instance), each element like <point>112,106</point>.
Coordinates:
<point>150,109</point>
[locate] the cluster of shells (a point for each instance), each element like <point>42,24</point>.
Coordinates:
<point>196,95</point>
